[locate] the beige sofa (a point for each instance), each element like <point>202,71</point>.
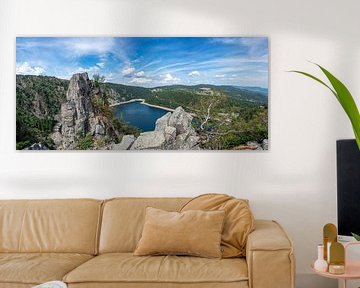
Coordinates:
<point>89,243</point>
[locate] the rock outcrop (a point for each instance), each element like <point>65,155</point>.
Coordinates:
<point>125,143</point>
<point>252,145</point>
<point>78,119</point>
<point>76,116</point>
<point>265,144</point>
<point>37,146</point>
<point>173,131</point>
<point>153,140</point>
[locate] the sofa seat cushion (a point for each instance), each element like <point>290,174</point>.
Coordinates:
<point>15,285</point>
<point>127,268</point>
<point>36,268</point>
<point>242,284</point>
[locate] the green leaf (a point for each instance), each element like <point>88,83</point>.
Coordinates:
<point>347,102</point>
<point>344,97</point>
<point>316,79</point>
<point>356,236</point>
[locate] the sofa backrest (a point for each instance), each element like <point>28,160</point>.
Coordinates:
<point>67,226</point>
<point>123,220</point>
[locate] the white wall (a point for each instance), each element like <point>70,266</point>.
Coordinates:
<point>294,183</point>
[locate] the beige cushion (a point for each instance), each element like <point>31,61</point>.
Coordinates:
<point>237,284</point>
<point>123,220</point>
<point>15,285</point>
<point>193,232</point>
<point>63,226</point>
<point>239,220</point>
<point>35,268</point>
<point>127,269</point>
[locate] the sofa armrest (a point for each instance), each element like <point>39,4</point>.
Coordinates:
<point>269,256</point>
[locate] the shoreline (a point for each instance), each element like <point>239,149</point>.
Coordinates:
<point>142,101</point>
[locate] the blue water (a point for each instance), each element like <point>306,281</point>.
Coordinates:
<point>139,115</point>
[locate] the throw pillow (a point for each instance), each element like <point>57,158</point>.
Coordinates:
<point>196,233</point>
<point>239,220</point>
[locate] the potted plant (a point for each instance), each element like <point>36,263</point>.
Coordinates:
<point>345,99</point>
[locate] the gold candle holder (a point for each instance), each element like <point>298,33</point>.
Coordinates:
<point>329,237</point>
<point>337,258</point>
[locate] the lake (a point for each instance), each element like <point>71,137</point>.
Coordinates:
<point>139,115</point>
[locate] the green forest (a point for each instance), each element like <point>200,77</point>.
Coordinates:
<point>225,117</point>
<point>38,100</point>
<point>234,118</point>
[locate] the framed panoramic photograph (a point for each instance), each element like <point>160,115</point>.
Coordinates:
<point>142,93</point>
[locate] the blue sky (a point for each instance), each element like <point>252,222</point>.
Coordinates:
<point>148,61</point>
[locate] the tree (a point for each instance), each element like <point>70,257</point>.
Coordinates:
<point>98,79</point>
<point>207,107</point>
<point>207,111</point>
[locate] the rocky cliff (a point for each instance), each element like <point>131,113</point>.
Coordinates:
<point>79,125</point>
<point>173,131</point>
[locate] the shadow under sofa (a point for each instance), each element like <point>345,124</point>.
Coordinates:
<point>90,243</point>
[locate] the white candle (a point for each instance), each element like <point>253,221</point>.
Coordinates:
<point>328,252</point>
<point>336,269</point>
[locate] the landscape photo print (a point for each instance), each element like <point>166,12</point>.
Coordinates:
<point>142,93</point>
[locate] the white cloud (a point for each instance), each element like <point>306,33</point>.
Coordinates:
<point>101,64</point>
<point>90,70</point>
<point>140,74</point>
<point>140,80</point>
<point>169,78</point>
<point>26,69</point>
<point>220,75</point>
<point>88,45</point>
<point>194,73</point>
<point>257,46</point>
<point>128,71</point>
<point>152,63</point>
<point>109,77</point>
<point>246,41</point>
<point>226,40</point>
<point>177,65</point>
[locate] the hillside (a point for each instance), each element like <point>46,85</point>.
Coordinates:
<point>38,100</point>
<point>226,116</point>
<point>246,94</point>
<point>120,92</point>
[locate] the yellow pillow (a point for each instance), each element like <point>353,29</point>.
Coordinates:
<point>238,223</point>
<point>195,233</point>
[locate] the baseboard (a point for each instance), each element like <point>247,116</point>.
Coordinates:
<point>310,280</point>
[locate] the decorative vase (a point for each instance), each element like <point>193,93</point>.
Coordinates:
<point>320,264</point>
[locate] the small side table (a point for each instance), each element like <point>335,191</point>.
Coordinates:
<point>352,269</point>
